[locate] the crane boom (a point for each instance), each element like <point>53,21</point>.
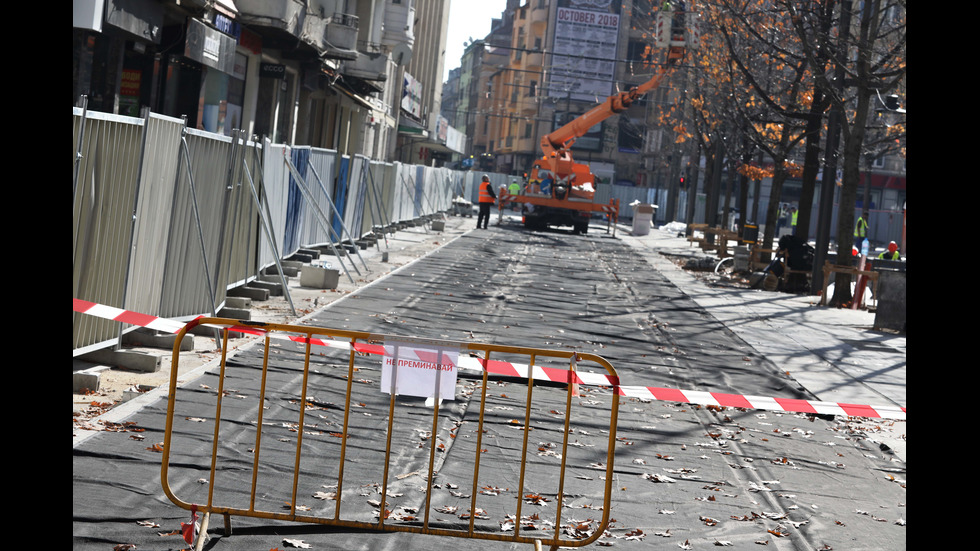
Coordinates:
<point>562,139</point>
<point>560,191</point>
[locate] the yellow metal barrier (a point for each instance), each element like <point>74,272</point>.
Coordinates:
<point>359,456</point>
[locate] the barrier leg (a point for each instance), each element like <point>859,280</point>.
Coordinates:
<point>202,533</point>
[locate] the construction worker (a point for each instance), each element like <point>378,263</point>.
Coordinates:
<point>545,184</point>
<point>514,189</point>
<point>487,198</point>
<point>861,230</point>
<point>891,253</point>
<point>794,215</point>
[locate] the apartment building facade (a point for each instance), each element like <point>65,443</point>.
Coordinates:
<point>326,73</point>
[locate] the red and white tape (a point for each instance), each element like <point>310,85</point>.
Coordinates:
<point>125,316</point>
<point>538,373</point>
<point>761,402</point>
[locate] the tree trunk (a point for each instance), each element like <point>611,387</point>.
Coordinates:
<point>743,194</point>
<point>712,186</point>
<point>673,186</point>
<point>814,124</point>
<point>853,143</point>
<point>772,211</point>
<point>810,165</point>
<point>692,185</point>
<point>677,157</point>
<point>726,209</point>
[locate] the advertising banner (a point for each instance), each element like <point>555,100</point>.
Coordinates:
<point>586,38</point>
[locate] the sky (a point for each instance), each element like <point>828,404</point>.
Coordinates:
<point>468,19</point>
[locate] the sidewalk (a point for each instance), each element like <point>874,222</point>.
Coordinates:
<point>834,353</point>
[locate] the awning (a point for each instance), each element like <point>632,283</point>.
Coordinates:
<point>434,146</point>
<point>410,127</point>
<point>354,96</point>
<point>141,18</point>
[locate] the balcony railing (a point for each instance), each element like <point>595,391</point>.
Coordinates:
<point>342,31</point>
<point>344,20</point>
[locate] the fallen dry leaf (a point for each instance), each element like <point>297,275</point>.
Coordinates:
<point>148,523</point>
<point>708,520</point>
<point>635,535</point>
<point>536,499</point>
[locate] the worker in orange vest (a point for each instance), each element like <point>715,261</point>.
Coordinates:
<point>487,198</point>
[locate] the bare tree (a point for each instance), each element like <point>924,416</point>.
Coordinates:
<point>865,65</point>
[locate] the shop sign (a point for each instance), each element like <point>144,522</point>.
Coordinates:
<point>210,47</point>
<point>130,82</point>
<point>272,70</point>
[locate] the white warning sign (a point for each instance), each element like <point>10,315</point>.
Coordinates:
<point>415,367</point>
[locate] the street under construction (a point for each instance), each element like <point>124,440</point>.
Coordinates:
<point>660,473</point>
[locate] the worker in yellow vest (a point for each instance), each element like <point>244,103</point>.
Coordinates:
<point>861,230</point>
<point>514,189</point>
<point>891,253</point>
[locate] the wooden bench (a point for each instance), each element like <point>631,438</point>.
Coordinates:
<point>720,241</point>
<point>694,229</point>
<point>756,261</point>
<point>829,268</point>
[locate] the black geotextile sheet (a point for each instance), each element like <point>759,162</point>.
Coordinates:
<point>682,473</point>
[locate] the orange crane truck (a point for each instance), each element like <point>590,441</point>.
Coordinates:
<point>561,192</point>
